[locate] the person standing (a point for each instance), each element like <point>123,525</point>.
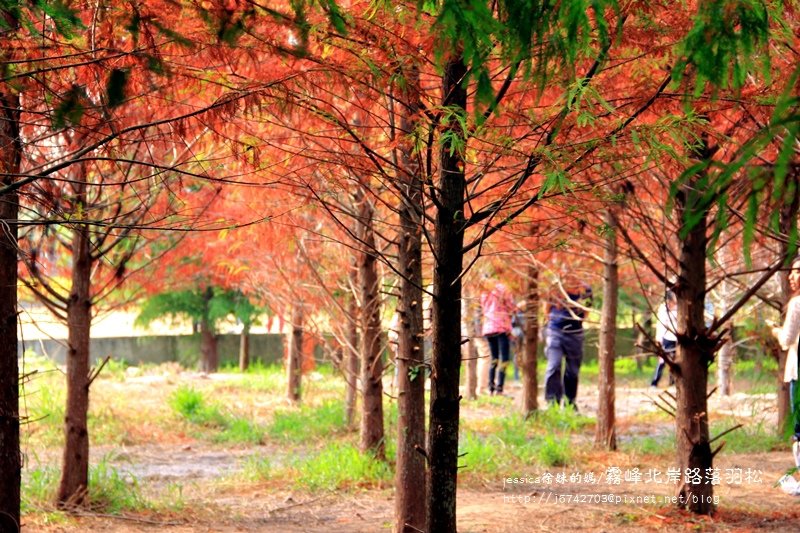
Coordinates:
<point>564,342</point>
<point>788,335</point>
<point>497,308</point>
<point>666,319</point>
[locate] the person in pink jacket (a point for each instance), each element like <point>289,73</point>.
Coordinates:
<point>497,307</point>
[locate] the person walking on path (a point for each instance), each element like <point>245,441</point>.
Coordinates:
<point>666,319</point>
<point>497,308</point>
<point>564,342</point>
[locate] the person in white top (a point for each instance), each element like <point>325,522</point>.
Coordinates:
<point>788,335</point>
<point>666,320</point>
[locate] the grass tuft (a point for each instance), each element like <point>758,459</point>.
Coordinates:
<point>341,466</point>
<point>554,451</point>
<point>306,423</point>
<point>110,491</point>
<point>257,469</point>
<point>191,405</point>
<point>113,492</point>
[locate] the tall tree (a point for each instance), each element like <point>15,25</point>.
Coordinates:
<point>410,465</point>
<point>372,433</point>
<point>605,432</point>
<point>446,358</point>
<point>530,389</point>
<point>294,355</point>
<point>10,159</point>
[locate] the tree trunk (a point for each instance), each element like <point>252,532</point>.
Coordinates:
<point>10,157</point>
<point>372,434</point>
<point>410,465</point>
<point>351,354</point>
<point>530,385</point>
<point>724,365</point>
<point>725,357</point>
<point>294,358</point>
<point>244,348</point>
<point>605,431</point>
<point>478,349</point>
<point>73,489</point>
<point>446,311</point>
<point>644,343</point>
<point>209,354</point>
<point>694,355</point>
<point>470,351</point>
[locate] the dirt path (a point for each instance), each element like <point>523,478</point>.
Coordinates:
<point>745,505</point>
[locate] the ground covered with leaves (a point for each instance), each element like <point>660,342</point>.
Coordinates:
<point>178,451</point>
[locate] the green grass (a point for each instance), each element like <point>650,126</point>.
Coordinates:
<point>626,371</point>
<point>109,490</point>
<point>511,441</point>
<point>556,419</point>
<point>112,492</point>
<point>257,469</point>
<point>763,387</point>
<point>492,455</point>
<point>555,451</point>
<point>191,404</point>
<point>272,378</point>
<point>44,405</point>
<point>750,438</point>
<point>484,400</point>
<point>480,455</point>
<point>114,369</point>
<point>649,445</point>
<point>240,430</point>
<point>306,423</point>
<point>340,466</point>
<point>38,487</point>
<point>750,368</point>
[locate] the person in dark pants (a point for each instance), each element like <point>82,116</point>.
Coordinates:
<point>564,342</point>
<point>497,307</point>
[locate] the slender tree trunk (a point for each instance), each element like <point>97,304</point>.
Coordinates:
<point>351,355</point>
<point>530,385</point>
<point>469,350</point>
<point>10,157</point>
<point>725,358</point>
<point>605,433</point>
<point>477,372</point>
<point>209,354</point>
<point>410,465</point>
<point>448,249</point>
<point>73,489</point>
<point>643,343</point>
<point>694,355</point>
<point>372,434</point>
<point>244,348</point>
<point>294,360</point>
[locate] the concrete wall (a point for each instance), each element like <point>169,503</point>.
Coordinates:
<point>267,348</point>
<point>185,349</point>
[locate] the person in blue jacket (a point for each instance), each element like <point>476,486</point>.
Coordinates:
<point>564,342</point>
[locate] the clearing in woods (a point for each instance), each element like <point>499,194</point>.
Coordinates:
<point>179,451</point>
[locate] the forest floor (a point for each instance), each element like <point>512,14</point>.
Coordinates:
<point>186,478</point>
